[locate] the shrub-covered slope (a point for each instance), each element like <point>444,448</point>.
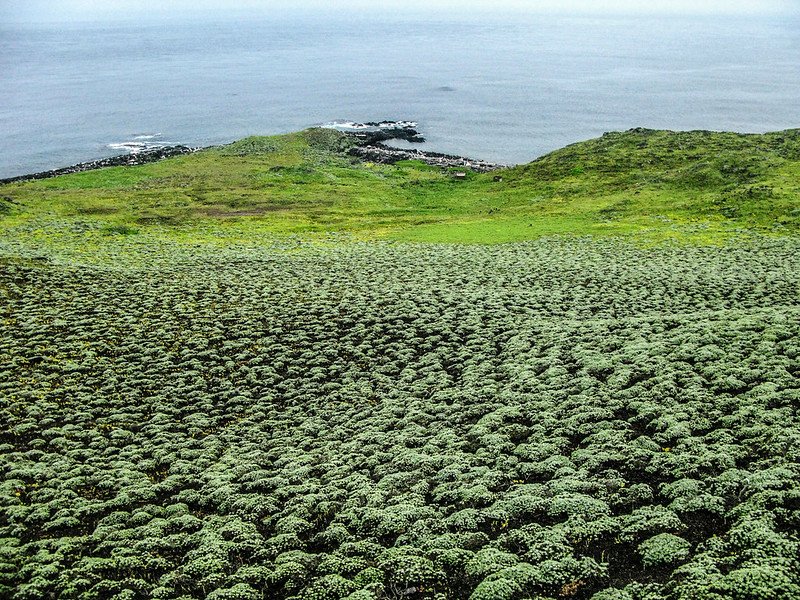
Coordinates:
<point>195,407</point>
<point>688,185</point>
<point>557,419</point>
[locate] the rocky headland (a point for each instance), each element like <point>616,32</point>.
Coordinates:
<point>368,145</point>
<point>381,153</point>
<point>374,132</point>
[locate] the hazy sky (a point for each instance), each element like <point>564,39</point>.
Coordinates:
<point>57,10</point>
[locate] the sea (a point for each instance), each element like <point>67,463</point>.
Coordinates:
<point>501,87</point>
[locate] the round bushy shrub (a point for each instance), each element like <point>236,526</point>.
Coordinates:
<point>496,589</point>
<point>664,549</point>
<point>761,582</point>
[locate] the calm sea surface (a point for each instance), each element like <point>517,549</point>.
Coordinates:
<point>500,88</point>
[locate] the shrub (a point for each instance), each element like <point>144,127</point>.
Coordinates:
<point>664,549</point>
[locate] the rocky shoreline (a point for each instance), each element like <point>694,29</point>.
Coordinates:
<point>369,138</point>
<point>376,132</point>
<point>137,158</point>
<point>383,154</point>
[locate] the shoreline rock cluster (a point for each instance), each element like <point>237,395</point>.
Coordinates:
<point>370,138</point>
<point>383,154</point>
<point>374,133</point>
<point>137,158</point>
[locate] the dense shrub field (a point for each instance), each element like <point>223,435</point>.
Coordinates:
<point>552,419</point>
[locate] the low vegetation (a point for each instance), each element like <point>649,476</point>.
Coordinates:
<point>697,186</point>
<point>223,376</point>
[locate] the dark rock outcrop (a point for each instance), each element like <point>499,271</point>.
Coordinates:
<point>370,147</point>
<point>383,154</point>
<point>375,132</point>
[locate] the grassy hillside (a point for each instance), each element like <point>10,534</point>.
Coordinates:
<point>224,377</point>
<point>657,184</point>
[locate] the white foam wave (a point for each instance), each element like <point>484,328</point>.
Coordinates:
<point>353,126</point>
<point>134,147</point>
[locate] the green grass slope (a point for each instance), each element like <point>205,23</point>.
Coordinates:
<point>701,186</point>
<point>223,377</point>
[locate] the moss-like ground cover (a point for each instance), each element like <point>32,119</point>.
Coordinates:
<point>222,376</point>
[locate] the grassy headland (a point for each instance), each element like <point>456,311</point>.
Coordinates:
<point>656,185</point>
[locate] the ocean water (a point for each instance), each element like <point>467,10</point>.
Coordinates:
<point>503,88</point>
